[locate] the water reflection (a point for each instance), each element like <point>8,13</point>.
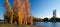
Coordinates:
<point>48,24</point>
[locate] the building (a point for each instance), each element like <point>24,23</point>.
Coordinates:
<point>54,13</point>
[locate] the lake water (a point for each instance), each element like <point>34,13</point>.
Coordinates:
<point>48,24</point>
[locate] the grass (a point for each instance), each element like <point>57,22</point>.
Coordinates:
<point>15,25</point>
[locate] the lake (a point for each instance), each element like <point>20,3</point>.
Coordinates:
<point>48,24</point>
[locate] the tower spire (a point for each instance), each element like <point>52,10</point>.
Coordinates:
<point>54,13</point>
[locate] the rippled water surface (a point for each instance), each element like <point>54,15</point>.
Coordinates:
<point>48,24</point>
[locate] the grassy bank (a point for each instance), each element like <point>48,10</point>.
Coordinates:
<point>14,25</point>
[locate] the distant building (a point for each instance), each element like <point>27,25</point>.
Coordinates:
<point>54,13</point>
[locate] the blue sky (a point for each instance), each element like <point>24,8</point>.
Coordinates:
<point>39,8</point>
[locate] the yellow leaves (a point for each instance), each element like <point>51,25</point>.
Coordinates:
<point>20,10</point>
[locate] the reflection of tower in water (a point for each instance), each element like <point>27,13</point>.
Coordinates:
<point>53,24</point>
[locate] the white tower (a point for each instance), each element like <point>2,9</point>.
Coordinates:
<point>54,13</point>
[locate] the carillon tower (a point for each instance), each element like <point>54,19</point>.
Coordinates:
<point>54,13</point>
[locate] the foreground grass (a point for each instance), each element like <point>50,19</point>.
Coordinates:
<point>2,24</point>
<point>14,25</point>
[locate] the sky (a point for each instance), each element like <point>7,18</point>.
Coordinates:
<point>38,8</point>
